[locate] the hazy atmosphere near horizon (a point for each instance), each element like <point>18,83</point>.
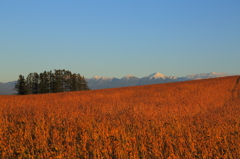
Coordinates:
<point>117,38</point>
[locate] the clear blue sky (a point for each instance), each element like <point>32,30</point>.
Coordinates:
<point>115,38</point>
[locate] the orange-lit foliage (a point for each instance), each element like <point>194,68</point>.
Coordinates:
<point>194,119</point>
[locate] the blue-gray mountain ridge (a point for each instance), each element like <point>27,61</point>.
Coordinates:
<point>155,78</point>
<point>129,80</point>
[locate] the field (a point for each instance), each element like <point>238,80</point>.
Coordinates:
<point>193,119</point>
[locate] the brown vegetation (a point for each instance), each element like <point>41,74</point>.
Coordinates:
<point>194,119</point>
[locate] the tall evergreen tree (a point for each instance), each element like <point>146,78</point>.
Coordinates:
<point>35,83</point>
<point>67,81</point>
<point>52,82</point>
<point>84,85</point>
<point>29,83</point>
<point>46,82</point>
<point>58,80</point>
<point>20,86</point>
<point>41,85</point>
<point>74,86</point>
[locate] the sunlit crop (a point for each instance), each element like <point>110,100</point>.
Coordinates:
<point>194,119</point>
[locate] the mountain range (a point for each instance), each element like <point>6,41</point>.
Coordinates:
<point>7,88</point>
<point>128,80</point>
<point>155,78</point>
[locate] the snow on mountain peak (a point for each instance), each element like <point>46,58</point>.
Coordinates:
<point>127,77</point>
<point>205,75</point>
<point>96,77</point>
<point>157,76</point>
<point>104,78</point>
<point>107,78</point>
<point>214,73</point>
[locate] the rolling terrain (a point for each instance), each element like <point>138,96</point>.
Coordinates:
<point>191,119</point>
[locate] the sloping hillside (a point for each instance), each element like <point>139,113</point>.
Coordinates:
<point>194,119</point>
<point>7,88</point>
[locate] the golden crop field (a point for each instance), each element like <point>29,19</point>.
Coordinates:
<point>193,119</point>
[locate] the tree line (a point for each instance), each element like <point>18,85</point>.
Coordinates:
<point>50,82</point>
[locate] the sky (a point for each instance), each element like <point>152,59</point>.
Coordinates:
<point>117,38</point>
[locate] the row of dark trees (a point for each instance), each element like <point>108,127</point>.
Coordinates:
<point>50,82</point>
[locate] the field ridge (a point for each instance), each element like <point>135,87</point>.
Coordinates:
<point>236,89</point>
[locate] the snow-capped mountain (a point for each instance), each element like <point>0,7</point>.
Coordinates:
<point>101,82</point>
<point>205,75</point>
<point>127,77</point>
<point>98,82</point>
<point>155,78</point>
